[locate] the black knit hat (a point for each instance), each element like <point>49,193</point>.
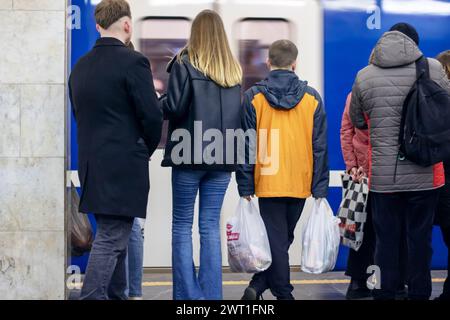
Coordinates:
<point>408,30</point>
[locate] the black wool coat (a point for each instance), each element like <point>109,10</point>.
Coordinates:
<point>119,120</point>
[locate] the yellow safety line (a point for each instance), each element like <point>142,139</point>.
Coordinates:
<point>157,284</point>
<point>244,283</point>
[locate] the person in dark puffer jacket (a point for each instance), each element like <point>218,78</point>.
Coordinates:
<point>378,95</point>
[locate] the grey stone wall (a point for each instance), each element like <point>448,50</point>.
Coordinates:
<point>32,154</point>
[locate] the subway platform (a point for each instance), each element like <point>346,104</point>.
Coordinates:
<point>329,286</point>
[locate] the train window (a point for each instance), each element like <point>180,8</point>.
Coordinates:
<point>160,39</point>
<point>255,37</point>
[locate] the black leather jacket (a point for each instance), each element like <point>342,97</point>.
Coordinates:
<point>200,113</point>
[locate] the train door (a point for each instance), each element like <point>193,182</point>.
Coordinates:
<point>161,29</point>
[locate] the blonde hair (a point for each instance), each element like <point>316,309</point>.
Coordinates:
<point>444,58</point>
<point>209,52</point>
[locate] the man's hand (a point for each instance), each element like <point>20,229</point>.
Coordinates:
<point>248,198</point>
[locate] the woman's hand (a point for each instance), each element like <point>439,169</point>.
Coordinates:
<point>361,174</point>
<point>353,172</point>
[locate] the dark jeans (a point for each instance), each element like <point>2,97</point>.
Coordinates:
<point>358,261</point>
<point>391,212</point>
<point>106,274</point>
<point>280,217</point>
<point>443,220</point>
<point>446,236</point>
<point>443,208</point>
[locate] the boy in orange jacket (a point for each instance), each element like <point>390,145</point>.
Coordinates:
<point>286,160</point>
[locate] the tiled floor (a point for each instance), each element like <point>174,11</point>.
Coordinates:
<point>329,286</point>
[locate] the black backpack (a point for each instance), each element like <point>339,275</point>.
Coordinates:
<point>425,126</point>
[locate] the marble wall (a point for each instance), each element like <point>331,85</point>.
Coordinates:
<point>32,149</point>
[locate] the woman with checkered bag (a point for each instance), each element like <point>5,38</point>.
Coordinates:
<point>354,144</point>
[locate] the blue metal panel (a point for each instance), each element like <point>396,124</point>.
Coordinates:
<point>83,40</point>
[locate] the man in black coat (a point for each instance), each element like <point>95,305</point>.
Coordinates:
<point>119,122</point>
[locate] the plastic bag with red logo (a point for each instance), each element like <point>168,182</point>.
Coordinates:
<point>247,241</point>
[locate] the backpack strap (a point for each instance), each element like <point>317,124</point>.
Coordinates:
<point>422,68</point>
<point>401,136</point>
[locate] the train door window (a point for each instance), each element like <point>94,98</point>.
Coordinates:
<point>255,37</point>
<point>160,39</point>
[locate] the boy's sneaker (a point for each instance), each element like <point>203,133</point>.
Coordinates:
<point>402,293</point>
<point>289,297</point>
<point>250,294</point>
<point>358,290</point>
<point>443,297</point>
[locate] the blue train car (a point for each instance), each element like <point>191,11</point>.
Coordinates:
<point>335,38</point>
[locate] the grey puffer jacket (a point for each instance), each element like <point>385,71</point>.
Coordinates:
<point>377,101</point>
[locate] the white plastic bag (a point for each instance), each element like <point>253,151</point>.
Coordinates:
<point>321,239</point>
<point>247,241</point>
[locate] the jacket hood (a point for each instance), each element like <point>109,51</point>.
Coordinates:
<point>283,89</point>
<point>395,49</point>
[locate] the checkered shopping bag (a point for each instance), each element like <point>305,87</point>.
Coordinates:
<point>352,211</point>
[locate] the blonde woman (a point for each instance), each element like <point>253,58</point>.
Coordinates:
<point>202,103</point>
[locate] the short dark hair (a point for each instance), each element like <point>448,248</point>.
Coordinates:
<point>283,53</point>
<point>407,30</point>
<point>108,12</point>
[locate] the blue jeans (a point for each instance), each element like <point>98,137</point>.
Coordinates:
<point>135,261</point>
<point>211,186</point>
